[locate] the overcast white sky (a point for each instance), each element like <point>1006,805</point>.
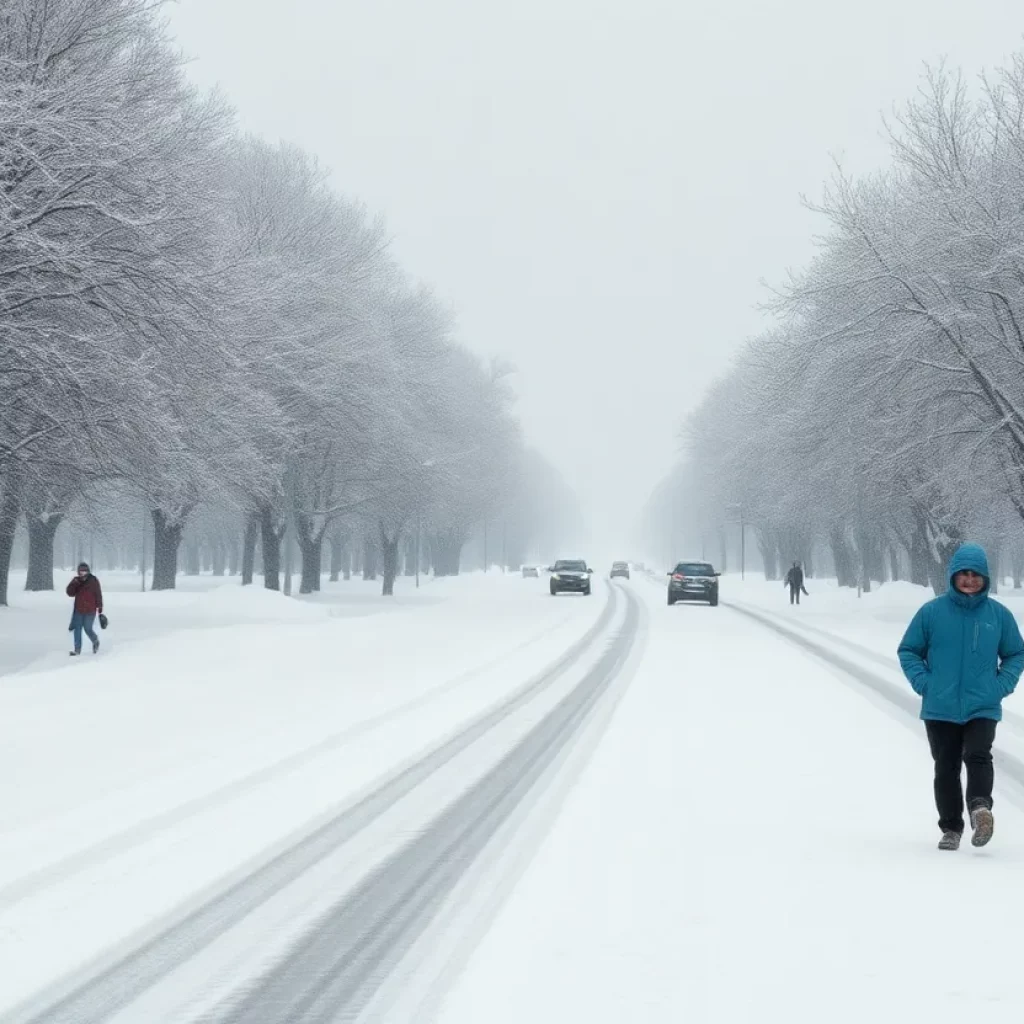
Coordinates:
<point>597,186</point>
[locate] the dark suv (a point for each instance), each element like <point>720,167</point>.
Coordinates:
<point>693,581</point>
<point>620,569</point>
<point>570,576</point>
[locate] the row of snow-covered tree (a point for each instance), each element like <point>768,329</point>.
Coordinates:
<point>881,421</point>
<point>195,325</point>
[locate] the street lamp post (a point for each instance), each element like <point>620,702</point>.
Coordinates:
<point>738,507</point>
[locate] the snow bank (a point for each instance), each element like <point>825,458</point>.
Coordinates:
<point>876,620</point>
<point>33,631</point>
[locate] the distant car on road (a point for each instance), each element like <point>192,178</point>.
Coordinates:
<point>693,581</point>
<point>531,571</point>
<point>570,576</point>
<point>620,569</point>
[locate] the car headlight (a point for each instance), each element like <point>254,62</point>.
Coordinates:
<point>556,576</point>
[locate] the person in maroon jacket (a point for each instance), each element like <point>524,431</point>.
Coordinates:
<point>85,589</point>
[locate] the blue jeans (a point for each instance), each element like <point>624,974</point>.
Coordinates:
<point>80,622</point>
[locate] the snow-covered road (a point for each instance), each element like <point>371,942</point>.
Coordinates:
<point>497,807</point>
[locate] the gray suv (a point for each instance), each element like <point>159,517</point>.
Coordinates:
<point>570,576</point>
<point>693,581</point>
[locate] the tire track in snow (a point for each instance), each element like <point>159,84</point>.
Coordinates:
<point>141,832</point>
<point>1011,767</point>
<point>111,985</point>
<point>332,973</point>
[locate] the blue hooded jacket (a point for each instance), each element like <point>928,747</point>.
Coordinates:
<point>963,653</point>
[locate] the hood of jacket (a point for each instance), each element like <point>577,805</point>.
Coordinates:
<point>969,556</point>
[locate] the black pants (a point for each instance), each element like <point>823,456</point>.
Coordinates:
<point>794,595</point>
<point>952,747</point>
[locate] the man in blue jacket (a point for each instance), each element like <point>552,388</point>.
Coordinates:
<point>963,654</point>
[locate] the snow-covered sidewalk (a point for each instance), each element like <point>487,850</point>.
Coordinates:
<point>754,841</point>
<point>875,620</point>
<point>33,630</point>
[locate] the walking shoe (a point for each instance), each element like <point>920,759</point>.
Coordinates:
<point>983,824</point>
<point>95,646</point>
<point>74,654</point>
<point>950,841</point>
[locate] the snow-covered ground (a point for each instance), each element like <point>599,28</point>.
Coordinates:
<point>741,830</point>
<point>876,619</point>
<point>131,780</point>
<point>754,841</point>
<point>33,630</point>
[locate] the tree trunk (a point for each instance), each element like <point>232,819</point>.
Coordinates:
<point>193,557</point>
<point>937,572</point>
<point>802,545</point>
<point>289,555</point>
<point>252,527</point>
<point>409,556</point>
<point>995,552</point>
<point>40,552</point>
<point>166,541</point>
<point>370,559</point>
<point>389,555</point>
<point>842,557</point>
<point>341,556</point>
<point>446,550</point>
<point>312,549</point>
<point>863,541</point>
<point>874,559</point>
<point>219,558</point>
<point>10,509</point>
<point>335,544</point>
<point>920,559</point>
<point>894,563</point>
<point>768,547</point>
<point>940,559</point>
<point>270,545</point>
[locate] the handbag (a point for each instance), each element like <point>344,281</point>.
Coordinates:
<point>103,621</point>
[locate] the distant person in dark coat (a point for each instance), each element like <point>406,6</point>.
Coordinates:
<point>85,589</point>
<point>963,654</point>
<point>795,581</point>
